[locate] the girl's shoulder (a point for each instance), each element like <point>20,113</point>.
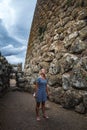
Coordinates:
<point>38,79</point>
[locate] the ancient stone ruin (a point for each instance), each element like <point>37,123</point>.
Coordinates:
<point>17,79</point>
<point>58,43</point>
<point>5,71</point>
<point>11,76</point>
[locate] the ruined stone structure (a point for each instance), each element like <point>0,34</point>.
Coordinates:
<point>17,76</point>
<point>5,71</point>
<point>10,73</point>
<point>17,67</point>
<point>58,43</point>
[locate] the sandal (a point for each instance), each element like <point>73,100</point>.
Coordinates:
<point>45,116</point>
<point>38,118</point>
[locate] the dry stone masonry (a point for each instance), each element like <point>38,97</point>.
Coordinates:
<point>58,43</point>
<point>10,73</point>
<point>5,71</point>
<point>17,76</point>
<point>21,80</point>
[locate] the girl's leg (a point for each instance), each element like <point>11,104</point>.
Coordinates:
<point>37,109</point>
<point>43,110</point>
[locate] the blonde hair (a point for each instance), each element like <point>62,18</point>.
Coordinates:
<point>42,71</point>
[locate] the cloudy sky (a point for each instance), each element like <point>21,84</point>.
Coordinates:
<point>15,23</point>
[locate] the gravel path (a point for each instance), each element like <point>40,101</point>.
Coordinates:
<point>17,112</point>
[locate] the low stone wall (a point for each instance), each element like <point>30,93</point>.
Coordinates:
<point>21,81</point>
<point>5,70</point>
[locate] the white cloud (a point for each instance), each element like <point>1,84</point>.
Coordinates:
<point>10,47</point>
<point>7,13</point>
<point>11,50</point>
<point>24,11</point>
<point>16,16</point>
<point>14,59</point>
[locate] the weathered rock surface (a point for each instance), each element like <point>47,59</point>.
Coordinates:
<point>5,71</point>
<point>58,43</point>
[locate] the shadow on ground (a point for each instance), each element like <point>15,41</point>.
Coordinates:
<point>17,112</point>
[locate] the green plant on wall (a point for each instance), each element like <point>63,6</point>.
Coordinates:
<point>41,31</point>
<point>69,2</point>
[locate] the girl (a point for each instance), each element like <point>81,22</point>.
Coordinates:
<point>41,93</point>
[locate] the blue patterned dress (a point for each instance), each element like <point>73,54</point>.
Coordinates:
<point>41,95</point>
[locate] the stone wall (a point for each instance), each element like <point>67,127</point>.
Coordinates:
<point>17,78</point>
<point>5,70</point>
<point>58,43</point>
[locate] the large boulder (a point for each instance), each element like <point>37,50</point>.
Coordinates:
<point>80,108</point>
<point>78,78</point>
<point>71,99</point>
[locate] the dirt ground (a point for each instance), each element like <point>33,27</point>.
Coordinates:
<point>17,112</point>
